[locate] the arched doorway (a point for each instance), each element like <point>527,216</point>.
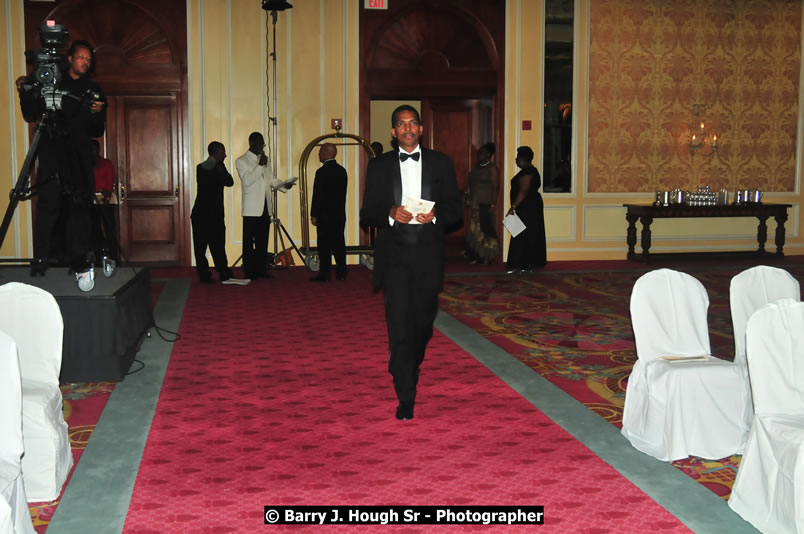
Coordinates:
<point>449,56</point>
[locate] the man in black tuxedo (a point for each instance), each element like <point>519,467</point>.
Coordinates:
<point>409,249</point>
<point>328,213</point>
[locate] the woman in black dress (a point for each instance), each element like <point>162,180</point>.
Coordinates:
<point>528,250</point>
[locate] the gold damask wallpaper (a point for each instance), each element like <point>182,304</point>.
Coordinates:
<point>652,60</point>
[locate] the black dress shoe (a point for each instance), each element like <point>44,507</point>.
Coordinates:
<point>404,411</point>
<point>320,278</point>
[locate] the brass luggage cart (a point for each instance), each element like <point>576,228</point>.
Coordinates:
<point>309,255</point>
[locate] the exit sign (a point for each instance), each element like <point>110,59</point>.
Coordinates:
<point>375,4</point>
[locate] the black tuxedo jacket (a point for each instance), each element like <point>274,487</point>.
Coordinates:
<point>393,243</point>
<point>328,205</point>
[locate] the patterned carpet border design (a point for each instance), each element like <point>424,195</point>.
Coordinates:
<point>574,329</point>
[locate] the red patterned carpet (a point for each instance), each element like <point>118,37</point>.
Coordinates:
<point>574,328</point>
<point>278,393</point>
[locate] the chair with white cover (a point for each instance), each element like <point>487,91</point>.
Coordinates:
<point>769,489</point>
<point>680,400</point>
<point>33,319</point>
<point>14,515</point>
<point>752,289</point>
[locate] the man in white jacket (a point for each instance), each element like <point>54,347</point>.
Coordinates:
<point>257,177</point>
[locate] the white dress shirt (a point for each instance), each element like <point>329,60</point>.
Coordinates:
<point>411,172</point>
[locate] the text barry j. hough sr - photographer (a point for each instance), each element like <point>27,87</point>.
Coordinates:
<point>400,515</point>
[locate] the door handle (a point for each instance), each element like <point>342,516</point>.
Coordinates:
<point>177,191</point>
<point>122,193</point>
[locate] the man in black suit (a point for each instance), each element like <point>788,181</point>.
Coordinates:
<point>207,216</point>
<point>328,213</point>
<point>409,249</point>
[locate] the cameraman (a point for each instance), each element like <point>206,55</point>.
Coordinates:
<point>65,181</point>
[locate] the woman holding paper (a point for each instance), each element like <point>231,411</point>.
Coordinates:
<point>528,250</point>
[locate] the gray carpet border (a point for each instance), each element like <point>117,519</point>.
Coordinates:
<point>694,505</point>
<point>98,495</point>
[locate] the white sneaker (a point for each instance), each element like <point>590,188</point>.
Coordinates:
<point>237,281</point>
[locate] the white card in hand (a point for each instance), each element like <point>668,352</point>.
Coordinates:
<point>514,224</point>
<point>417,206</point>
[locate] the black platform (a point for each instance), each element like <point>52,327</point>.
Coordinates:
<point>103,328</point>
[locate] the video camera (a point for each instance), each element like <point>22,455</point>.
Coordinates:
<point>48,65</point>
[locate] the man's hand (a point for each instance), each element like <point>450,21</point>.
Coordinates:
<point>314,221</point>
<point>20,81</point>
<point>400,215</point>
<point>426,218</point>
<point>263,160</point>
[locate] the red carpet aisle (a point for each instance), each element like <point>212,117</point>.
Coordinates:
<point>278,393</point>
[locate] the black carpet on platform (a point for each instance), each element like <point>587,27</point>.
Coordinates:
<point>103,328</point>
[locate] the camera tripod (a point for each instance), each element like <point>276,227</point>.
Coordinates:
<point>279,229</point>
<point>24,191</point>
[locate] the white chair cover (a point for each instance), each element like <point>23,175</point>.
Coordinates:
<point>682,408</point>
<point>14,515</point>
<point>769,489</point>
<point>752,289</point>
<point>32,318</point>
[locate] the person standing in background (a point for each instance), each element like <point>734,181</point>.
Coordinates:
<point>481,237</point>
<point>105,227</point>
<point>257,180</point>
<point>328,213</point>
<point>209,229</point>
<point>528,250</point>
<point>65,179</point>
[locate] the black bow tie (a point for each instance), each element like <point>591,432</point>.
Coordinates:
<point>415,156</point>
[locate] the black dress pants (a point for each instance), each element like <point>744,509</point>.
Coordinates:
<point>63,226</point>
<point>331,243</point>
<point>411,304</point>
<point>255,243</point>
<point>210,232</point>
<point>104,231</point>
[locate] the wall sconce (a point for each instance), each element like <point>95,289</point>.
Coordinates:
<point>700,137</point>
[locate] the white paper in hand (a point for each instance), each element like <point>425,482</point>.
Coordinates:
<point>514,224</point>
<point>417,206</point>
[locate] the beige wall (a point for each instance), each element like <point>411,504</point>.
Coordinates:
<point>13,130</point>
<point>589,223</point>
<point>317,75</point>
<point>231,92</point>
